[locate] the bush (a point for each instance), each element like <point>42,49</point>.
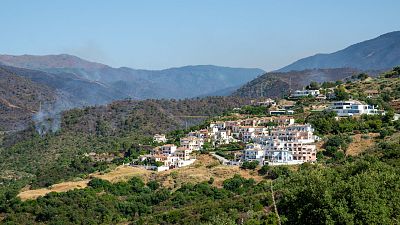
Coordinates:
<point>249,165</point>
<point>264,170</point>
<point>335,143</point>
<point>278,171</point>
<point>385,132</point>
<point>153,185</point>
<point>362,76</point>
<point>99,183</point>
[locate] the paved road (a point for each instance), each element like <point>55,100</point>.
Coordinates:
<point>220,158</point>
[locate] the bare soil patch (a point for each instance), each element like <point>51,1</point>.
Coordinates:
<point>360,143</point>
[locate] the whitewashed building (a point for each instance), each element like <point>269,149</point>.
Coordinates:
<point>192,143</point>
<point>254,152</point>
<point>171,156</point>
<point>293,144</point>
<point>304,93</point>
<point>159,138</point>
<point>353,108</point>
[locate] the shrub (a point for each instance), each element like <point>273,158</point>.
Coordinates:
<point>249,165</point>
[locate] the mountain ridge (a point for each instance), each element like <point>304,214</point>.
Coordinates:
<point>177,82</point>
<point>277,84</point>
<point>379,53</point>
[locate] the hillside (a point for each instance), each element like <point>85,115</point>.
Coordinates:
<point>80,91</point>
<point>342,186</point>
<point>20,99</point>
<point>25,91</point>
<point>182,82</point>
<point>149,116</point>
<point>277,84</point>
<point>113,129</point>
<point>379,53</point>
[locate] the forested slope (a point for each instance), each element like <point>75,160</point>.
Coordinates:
<point>115,129</point>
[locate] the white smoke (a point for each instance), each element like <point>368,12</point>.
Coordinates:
<point>48,118</point>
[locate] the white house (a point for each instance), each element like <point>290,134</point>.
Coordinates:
<point>168,149</point>
<point>267,102</point>
<point>281,112</point>
<point>353,108</point>
<point>304,93</point>
<point>159,138</point>
<point>222,137</point>
<point>287,151</point>
<point>254,152</point>
<point>192,143</point>
<point>171,157</point>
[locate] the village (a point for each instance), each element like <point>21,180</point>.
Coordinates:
<point>274,139</point>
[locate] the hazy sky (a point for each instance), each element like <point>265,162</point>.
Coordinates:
<point>151,34</point>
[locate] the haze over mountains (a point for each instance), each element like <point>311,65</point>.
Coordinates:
<point>183,82</point>
<point>68,81</point>
<point>379,53</point>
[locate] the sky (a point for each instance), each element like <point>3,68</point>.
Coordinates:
<point>150,34</point>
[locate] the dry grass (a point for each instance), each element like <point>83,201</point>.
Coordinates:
<point>118,174</point>
<point>203,169</point>
<point>123,173</point>
<point>360,143</point>
<point>61,187</point>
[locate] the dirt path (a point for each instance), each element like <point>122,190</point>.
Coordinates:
<point>274,203</point>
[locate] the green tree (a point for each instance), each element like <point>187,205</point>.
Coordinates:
<point>341,94</point>
<point>362,76</point>
<point>313,86</point>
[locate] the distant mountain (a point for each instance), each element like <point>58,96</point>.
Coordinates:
<point>182,82</point>
<point>277,84</point>
<point>80,91</point>
<point>379,53</point>
<point>30,95</point>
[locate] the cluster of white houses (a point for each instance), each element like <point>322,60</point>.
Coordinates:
<point>293,144</point>
<point>271,140</point>
<point>170,156</point>
<point>274,140</point>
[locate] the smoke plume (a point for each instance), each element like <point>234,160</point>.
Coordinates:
<point>48,118</point>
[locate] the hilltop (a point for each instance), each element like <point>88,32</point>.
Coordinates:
<point>380,53</point>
